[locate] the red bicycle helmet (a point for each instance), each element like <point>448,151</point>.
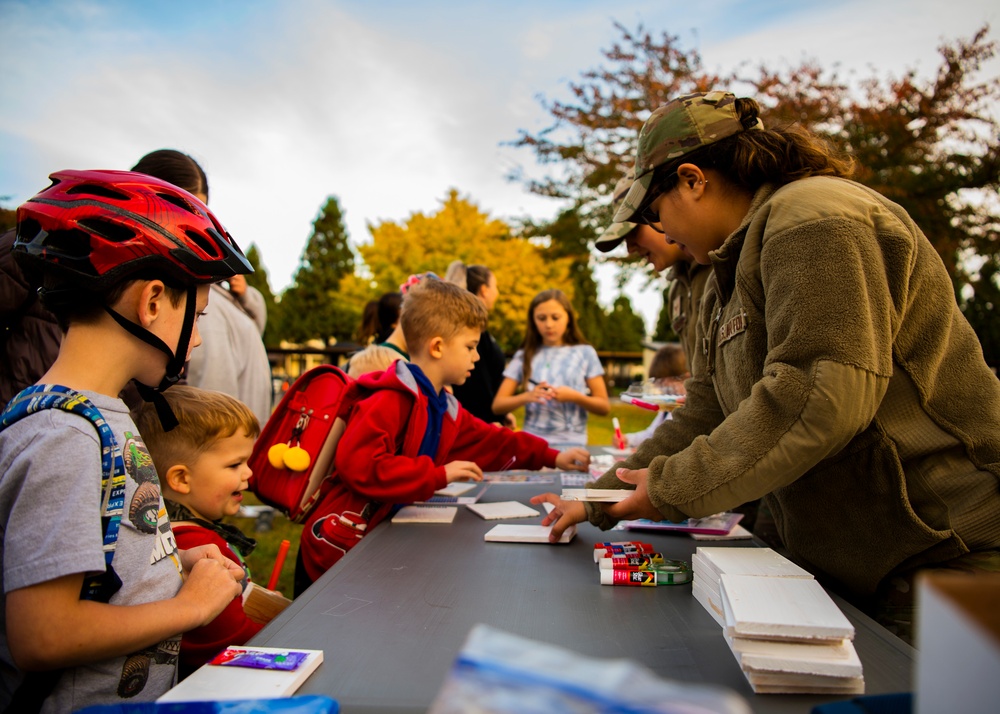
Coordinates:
<point>97,228</point>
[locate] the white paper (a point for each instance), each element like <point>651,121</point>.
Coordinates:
<point>502,509</point>
<point>510,533</point>
<point>425,514</point>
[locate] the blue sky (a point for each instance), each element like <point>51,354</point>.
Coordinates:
<point>385,104</point>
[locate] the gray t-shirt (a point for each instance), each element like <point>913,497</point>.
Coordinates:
<point>231,357</point>
<point>50,519</point>
<point>559,423</point>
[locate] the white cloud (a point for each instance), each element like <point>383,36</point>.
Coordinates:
<point>287,103</point>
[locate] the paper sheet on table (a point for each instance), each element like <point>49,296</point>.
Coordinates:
<point>502,509</point>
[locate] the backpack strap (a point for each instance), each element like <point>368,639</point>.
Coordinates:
<point>100,587</point>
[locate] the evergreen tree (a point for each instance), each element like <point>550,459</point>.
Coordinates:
<point>664,329</point>
<point>625,330</point>
<point>258,279</point>
<point>311,307</point>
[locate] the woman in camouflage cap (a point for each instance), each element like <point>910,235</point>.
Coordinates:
<point>841,382</point>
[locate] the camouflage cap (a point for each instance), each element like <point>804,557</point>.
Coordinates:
<point>677,128</point>
<point>616,232</point>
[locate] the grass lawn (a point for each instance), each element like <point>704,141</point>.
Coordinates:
<point>261,561</point>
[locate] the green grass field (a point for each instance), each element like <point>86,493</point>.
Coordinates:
<point>261,561</point>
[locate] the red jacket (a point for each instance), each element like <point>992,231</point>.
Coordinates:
<point>376,464</point>
<point>231,627</point>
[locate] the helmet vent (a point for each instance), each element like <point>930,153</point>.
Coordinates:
<point>178,201</point>
<point>203,242</point>
<point>71,244</point>
<point>90,189</point>
<point>27,229</point>
<point>109,230</point>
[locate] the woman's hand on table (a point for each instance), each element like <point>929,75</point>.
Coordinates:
<point>638,504</point>
<point>562,516</point>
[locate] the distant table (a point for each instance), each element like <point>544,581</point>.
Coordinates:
<point>393,614</point>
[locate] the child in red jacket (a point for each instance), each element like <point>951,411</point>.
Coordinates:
<point>407,436</point>
<point>202,465</point>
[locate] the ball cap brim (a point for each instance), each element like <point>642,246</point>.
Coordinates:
<point>613,235</point>
<point>632,202</point>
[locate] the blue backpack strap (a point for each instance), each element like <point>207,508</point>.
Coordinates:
<point>52,396</point>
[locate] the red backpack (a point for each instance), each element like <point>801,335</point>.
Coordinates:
<point>294,453</point>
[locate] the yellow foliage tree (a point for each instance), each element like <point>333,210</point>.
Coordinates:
<point>461,231</point>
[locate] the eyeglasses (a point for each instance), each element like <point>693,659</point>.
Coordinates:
<point>650,217</point>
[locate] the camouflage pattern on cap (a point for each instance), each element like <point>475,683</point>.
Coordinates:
<point>677,128</point>
<point>616,232</point>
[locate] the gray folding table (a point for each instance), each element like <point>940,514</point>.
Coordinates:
<point>392,615</point>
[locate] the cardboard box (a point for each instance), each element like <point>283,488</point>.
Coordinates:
<point>958,643</point>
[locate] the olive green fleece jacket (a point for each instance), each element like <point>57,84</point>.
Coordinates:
<point>687,285</point>
<point>842,382</point>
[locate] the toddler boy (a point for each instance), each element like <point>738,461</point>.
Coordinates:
<point>202,464</point>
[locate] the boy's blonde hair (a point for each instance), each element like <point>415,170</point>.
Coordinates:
<point>434,308</point>
<point>204,417</point>
<point>373,358</point>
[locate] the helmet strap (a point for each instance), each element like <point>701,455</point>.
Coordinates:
<point>174,366</point>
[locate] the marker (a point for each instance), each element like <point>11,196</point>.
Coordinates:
<point>508,464</point>
<point>645,577</point>
<point>619,439</point>
<point>629,399</point>
<point>279,561</point>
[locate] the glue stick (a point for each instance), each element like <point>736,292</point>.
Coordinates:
<point>645,577</point>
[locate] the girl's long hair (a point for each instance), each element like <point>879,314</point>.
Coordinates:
<point>532,337</point>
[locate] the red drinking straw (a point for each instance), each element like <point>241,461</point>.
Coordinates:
<point>278,562</point>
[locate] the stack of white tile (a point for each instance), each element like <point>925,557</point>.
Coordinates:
<point>709,563</point>
<point>783,628</point>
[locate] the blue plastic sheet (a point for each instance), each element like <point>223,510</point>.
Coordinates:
<point>306,704</point>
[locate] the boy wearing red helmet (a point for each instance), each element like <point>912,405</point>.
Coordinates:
<point>93,597</point>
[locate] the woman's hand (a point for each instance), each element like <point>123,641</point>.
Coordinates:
<point>636,505</point>
<point>564,515</point>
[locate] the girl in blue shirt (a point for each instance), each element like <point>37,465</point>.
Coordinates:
<point>556,376</point>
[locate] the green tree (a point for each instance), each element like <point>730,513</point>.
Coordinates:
<point>258,279</point>
<point>664,331</point>
<point>312,307</point>
<point>459,230</point>
<point>931,145</point>
<point>625,329</point>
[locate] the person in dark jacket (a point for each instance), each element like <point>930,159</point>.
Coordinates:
<point>476,395</point>
<point>30,336</point>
